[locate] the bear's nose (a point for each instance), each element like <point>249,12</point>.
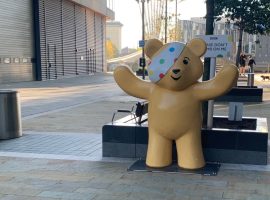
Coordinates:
<point>176,71</point>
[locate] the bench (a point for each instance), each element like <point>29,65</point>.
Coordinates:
<point>138,117</point>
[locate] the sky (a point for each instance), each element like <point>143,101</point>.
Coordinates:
<point>128,13</point>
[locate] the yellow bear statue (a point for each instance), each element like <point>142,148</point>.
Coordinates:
<point>175,96</point>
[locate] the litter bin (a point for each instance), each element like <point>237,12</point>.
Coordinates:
<point>10,114</point>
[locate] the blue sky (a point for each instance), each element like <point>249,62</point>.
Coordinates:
<point>128,13</point>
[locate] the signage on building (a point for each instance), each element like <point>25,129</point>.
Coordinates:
<point>217,45</point>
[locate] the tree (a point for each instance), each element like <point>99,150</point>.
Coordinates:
<point>266,15</point>
<point>111,50</point>
<point>251,16</point>
<point>175,34</point>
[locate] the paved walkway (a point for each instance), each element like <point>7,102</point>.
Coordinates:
<point>57,145</point>
<point>63,119</point>
<point>59,155</point>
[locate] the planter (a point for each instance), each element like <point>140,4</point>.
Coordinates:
<point>242,94</point>
<point>243,142</point>
<point>232,143</point>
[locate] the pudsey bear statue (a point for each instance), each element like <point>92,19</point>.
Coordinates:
<point>175,99</point>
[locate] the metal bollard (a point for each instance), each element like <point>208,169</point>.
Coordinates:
<point>235,111</point>
<point>250,81</point>
<point>10,114</point>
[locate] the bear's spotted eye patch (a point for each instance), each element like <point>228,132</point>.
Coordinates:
<point>186,60</point>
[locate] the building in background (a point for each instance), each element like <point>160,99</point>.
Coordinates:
<point>51,39</point>
<point>256,45</point>
<point>263,50</point>
<point>114,34</point>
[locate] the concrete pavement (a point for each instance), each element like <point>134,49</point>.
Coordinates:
<point>43,179</point>
<point>59,156</point>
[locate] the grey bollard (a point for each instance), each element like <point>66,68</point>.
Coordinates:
<point>250,81</point>
<point>10,114</point>
<point>235,111</point>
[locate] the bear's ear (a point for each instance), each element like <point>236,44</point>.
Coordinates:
<point>197,46</point>
<point>152,46</point>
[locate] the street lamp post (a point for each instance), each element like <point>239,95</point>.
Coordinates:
<point>142,59</point>
<point>166,19</point>
<point>208,106</point>
<point>176,36</point>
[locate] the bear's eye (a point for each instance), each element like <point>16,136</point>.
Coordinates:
<point>186,60</point>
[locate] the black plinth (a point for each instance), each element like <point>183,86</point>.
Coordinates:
<point>210,169</point>
<point>242,94</point>
<point>222,145</point>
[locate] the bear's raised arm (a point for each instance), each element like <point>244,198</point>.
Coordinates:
<point>131,84</point>
<point>219,85</point>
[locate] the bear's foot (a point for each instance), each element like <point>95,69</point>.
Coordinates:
<point>191,165</point>
<point>158,164</point>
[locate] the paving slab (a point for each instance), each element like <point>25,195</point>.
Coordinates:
<point>86,118</point>
<point>52,179</point>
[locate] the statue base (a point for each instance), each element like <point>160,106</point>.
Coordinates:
<point>210,169</point>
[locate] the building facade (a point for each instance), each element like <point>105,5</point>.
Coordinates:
<point>51,39</point>
<point>114,34</point>
<point>263,49</point>
<point>196,26</point>
<point>16,41</point>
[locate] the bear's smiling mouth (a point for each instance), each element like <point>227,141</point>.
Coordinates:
<point>175,78</point>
